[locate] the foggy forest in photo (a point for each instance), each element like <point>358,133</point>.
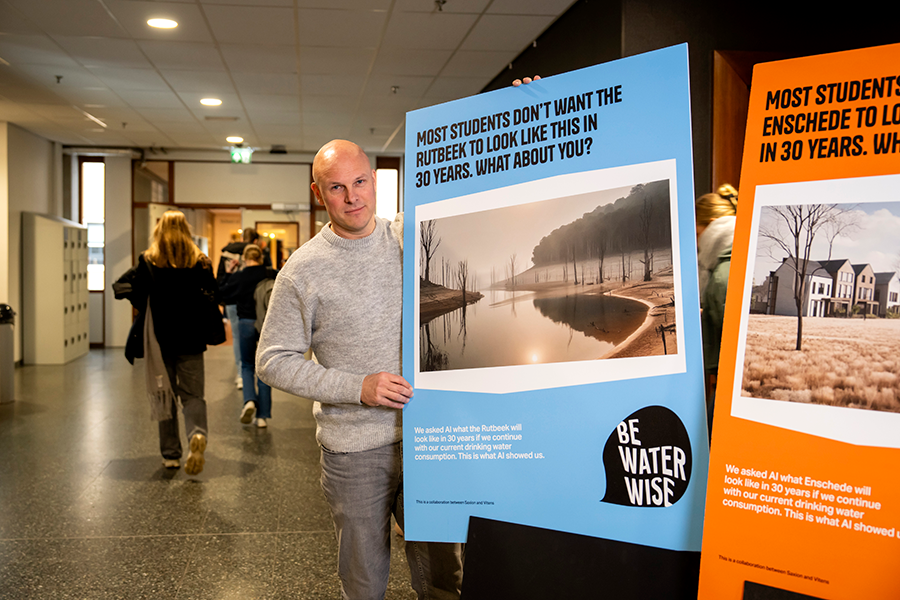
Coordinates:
<point>557,280</point>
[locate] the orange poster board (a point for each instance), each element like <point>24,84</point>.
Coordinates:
<point>804,495</point>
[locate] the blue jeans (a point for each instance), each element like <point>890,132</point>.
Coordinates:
<point>231,313</point>
<point>363,490</point>
<point>247,340</point>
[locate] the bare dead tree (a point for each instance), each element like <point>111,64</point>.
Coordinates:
<point>430,242</point>
<point>571,246</point>
<point>600,244</point>
<point>842,223</point>
<point>512,269</point>
<point>462,276</point>
<point>646,222</point>
<point>790,230</point>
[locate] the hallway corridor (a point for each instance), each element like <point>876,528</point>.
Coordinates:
<point>88,511</point>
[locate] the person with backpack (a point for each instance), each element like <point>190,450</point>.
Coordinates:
<point>238,287</point>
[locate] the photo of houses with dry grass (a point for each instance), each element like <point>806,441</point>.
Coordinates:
<point>824,323</point>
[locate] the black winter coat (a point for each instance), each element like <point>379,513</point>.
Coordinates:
<point>181,301</point>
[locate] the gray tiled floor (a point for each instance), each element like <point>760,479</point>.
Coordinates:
<point>87,511</point>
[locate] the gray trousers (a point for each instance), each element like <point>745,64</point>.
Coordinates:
<point>186,375</point>
<point>363,490</point>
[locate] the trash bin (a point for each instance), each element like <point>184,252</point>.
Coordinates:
<point>7,358</point>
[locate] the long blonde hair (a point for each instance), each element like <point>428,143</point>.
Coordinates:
<point>172,244</point>
<point>710,207</point>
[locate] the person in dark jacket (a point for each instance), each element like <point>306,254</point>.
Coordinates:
<point>230,261</point>
<point>174,290</point>
<point>238,288</point>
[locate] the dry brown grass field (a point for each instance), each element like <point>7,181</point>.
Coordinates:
<point>844,362</point>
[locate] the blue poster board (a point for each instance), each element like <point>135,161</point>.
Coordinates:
<point>551,314</point>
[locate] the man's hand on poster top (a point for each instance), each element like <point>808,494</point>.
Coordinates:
<point>527,80</point>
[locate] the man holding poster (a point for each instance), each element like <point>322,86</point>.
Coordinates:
<point>340,295</point>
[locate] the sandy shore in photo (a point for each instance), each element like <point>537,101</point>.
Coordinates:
<point>646,341</point>
<point>436,300</point>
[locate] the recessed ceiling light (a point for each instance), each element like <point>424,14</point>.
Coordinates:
<point>234,139</point>
<point>210,102</point>
<point>162,23</point>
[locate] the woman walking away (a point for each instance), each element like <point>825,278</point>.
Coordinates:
<point>174,290</point>
<point>715,232</point>
<point>239,288</point>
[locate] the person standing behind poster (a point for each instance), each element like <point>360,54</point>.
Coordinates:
<point>715,233</point>
<point>340,295</point>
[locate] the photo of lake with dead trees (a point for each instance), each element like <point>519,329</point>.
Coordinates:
<point>573,278</point>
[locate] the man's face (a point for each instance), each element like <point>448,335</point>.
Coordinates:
<point>345,185</point>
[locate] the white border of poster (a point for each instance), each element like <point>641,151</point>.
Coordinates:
<point>500,380</point>
<point>854,426</point>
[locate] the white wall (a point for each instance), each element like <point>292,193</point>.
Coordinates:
<point>118,246</point>
<point>4,216</point>
<point>226,183</point>
<point>34,184</point>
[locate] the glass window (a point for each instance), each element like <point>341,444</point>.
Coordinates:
<point>93,214</point>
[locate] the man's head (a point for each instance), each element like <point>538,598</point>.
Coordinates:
<point>250,235</point>
<point>344,182</point>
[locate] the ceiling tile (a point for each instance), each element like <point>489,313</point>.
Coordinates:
<point>204,82</point>
<point>19,87</point>
<point>381,5</point>
<point>478,63</point>
<point>427,30</point>
<point>276,131</point>
<point>271,102</point>
<point>502,32</point>
<point>88,98</point>
<point>168,115</point>
<point>267,83</point>
<point>451,88</point>
<point>72,77</point>
<point>273,117</point>
<point>342,61</point>
<point>383,85</point>
<point>179,127</point>
<point>12,21</point>
<point>103,52</point>
<point>133,16</point>
<point>33,50</point>
<point>452,6</point>
<point>70,17</point>
<point>341,28</point>
<point>395,61</point>
<point>260,58</point>
<point>530,7</point>
<point>231,103</point>
<point>277,3</point>
<point>337,85</point>
<point>245,24</point>
<point>130,79</point>
<point>317,103</point>
<point>183,55</point>
<point>150,99</point>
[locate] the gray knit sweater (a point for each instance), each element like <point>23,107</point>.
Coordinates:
<point>343,299</point>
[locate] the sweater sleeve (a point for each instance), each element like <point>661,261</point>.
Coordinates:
<point>285,338</point>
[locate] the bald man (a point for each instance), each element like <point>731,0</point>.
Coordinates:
<point>340,295</point>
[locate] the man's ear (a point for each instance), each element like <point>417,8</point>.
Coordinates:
<point>315,190</point>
